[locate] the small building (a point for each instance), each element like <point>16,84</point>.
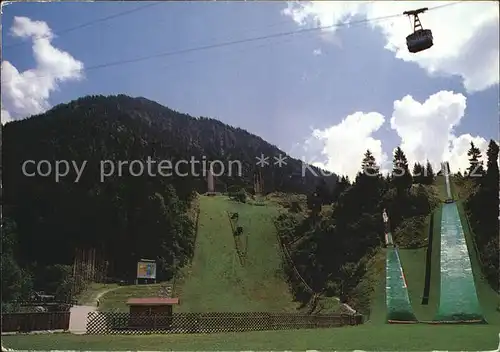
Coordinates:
<point>151,312</point>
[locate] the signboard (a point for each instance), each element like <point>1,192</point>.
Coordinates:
<point>146,270</point>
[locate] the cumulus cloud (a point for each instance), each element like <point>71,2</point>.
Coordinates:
<point>426,130</point>
<point>27,93</point>
<point>466,35</point>
<point>342,147</point>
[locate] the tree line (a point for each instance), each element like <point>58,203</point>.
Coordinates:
<point>482,207</point>
<point>331,252</point>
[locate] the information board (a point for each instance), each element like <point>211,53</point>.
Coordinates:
<point>146,270</point>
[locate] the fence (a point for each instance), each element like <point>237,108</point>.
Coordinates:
<point>125,323</point>
<point>25,322</point>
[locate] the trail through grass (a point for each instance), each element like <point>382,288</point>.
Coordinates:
<point>93,291</point>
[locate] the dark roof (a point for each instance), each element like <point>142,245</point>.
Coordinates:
<point>152,301</point>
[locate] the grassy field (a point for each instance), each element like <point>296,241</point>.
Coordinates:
<point>365,337</point>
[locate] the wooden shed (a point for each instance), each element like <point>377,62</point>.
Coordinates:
<point>151,312</point>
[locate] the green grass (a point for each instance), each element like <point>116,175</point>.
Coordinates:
<point>369,294</point>
<point>440,186</point>
<point>414,262</point>
<point>216,281</point>
<point>117,299</point>
<point>365,337</point>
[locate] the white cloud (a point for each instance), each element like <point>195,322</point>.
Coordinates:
<point>27,93</point>
<point>317,52</point>
<point>457,153</point>
<point>426,129</point>
<point>343,145</point>
<point>466,35</point>
<point>5,116</point>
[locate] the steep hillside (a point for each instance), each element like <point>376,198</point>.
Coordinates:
<point>118,211</point>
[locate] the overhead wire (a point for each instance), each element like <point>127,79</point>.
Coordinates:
<point>87,24</point>
<point>247,40</point>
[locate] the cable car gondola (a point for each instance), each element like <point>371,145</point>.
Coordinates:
<point>421,39</point>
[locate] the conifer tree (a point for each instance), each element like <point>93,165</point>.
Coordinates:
<point>475,168</point>
<point>401,177</point>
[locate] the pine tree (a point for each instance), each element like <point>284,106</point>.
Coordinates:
<point>323,192</point>
<point>476,165</point>
<point>418,171</point>
<point>402,178</point>
<point>429,174</point>
<point>483,210</point>
<point>369,165</point>
<point>492,173</point>
<point>342,184</point>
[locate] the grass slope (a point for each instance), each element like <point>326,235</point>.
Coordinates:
<point>216,281</point>
<point>414,262</point>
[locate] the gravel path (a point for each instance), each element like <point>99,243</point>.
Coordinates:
<point>79,314</point>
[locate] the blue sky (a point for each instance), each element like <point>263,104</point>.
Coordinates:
<point>281,88</point>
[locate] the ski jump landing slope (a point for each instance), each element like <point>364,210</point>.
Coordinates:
<point>458,301</point>
<point>399,309</point>
<point>398,306</point>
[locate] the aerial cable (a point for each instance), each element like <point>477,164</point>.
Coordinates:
<point>87,24</point>
<point>248,40</point>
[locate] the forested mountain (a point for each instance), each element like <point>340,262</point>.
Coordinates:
<point>123,217</point>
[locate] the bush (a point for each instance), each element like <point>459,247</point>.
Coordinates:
<point>295,207</point>
<point>411,233</point>
<point>241,196</point>
<point>238,231</point>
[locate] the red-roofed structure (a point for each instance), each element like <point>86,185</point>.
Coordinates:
<point>151,312</point>
<point>152,301</point>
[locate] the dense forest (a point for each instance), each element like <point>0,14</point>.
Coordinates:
<point>331,250</point>
<point>123,217</point>
<point>481,183</point>
<point>126,217</point>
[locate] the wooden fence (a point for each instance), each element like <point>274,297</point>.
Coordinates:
<point>125,323</point>
<point>25,322</point>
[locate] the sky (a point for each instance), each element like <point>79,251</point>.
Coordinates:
<point>341,80</point>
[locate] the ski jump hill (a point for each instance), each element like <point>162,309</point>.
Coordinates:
<point>458,298</point>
